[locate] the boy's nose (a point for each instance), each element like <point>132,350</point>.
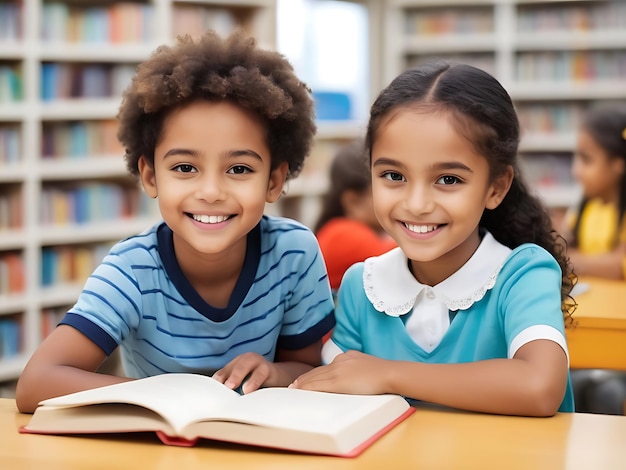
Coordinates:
<point>210,188</point>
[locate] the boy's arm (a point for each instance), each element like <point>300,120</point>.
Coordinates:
<point>65,362</point>
<point>533,383</point>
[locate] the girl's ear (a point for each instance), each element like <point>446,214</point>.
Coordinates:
<point>276,182</point>
<point>147,176</point>
<point>499,188</point>
<point>619,165</point>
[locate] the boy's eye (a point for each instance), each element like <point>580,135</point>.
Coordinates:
<point>393,176</point>
<point>184,168</point>
<point>239,170</point>
<point>448,180</point>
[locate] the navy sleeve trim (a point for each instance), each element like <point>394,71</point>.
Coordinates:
<point>310,336</point>
<point>92,331</point>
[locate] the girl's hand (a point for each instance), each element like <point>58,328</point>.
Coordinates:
<point>351,372</point>
<point>250,370</point>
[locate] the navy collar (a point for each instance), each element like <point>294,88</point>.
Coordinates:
<point>165,241</point>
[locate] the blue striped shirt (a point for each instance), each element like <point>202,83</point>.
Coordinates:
<point>139,299</point>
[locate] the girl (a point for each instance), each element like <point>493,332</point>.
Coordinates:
<point>469,310</point>
<point>597,232</point>
<point>596,235</point>
<point>347,229</point>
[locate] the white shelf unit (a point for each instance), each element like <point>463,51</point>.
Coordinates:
<point>555,57</point>
<point>30,179</point>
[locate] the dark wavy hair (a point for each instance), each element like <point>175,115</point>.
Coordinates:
<point>482,111</point>
<point>606,124</point>
<point>348,171</point>
<point>214,68</point>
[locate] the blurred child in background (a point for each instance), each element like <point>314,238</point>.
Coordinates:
<point>347,229</point>
<point>596,235</point>
<point>596,231</point>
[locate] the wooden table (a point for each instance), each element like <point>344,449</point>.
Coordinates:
<point>599,338</point>
<point>431,438</point>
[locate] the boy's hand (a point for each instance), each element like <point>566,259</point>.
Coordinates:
<point>249,370</point>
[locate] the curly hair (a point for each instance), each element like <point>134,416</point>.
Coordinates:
<point>214,68</point>
<point>483,112</point>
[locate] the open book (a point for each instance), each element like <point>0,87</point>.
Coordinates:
<point>182,408</point>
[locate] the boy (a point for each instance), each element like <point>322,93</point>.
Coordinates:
<point>212,129</point>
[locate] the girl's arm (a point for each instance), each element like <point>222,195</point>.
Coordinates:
<point>607,265</point>
<point>65,362</point>
<point>533,383</point>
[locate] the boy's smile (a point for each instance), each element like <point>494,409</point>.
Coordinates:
<point>212,178</point>
<point>430,190</point>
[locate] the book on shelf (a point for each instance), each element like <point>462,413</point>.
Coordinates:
<point>183,408</point>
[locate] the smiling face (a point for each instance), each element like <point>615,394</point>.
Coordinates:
<point>212,177</point>
<point>430,190</point>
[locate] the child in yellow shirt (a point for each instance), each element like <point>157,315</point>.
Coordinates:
<point>597,238</point>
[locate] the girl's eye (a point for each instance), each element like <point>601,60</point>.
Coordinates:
<point>448,180</point>
<point>393,176</point>
<point>184,168</point>
<point>239,170</point>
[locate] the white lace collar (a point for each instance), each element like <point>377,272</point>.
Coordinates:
<point>391,288</point>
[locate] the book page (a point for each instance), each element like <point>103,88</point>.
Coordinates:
<point>302,420</point>
<point>301,410</point>
<point>179,398</point>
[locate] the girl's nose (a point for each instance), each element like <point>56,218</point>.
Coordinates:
<point>420,200</point>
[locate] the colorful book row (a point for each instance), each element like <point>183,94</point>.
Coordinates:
<point>449,21</point>
<point>12,273</point>
<point>571,66</point>
<point>196,19</point>
<point>11,208</point>
<point>70,264</point>
<point>9,145</point>
<point>590,16</point>
<point>80,139</point>
<point>543,118</point>
<point>121,22</point>
<point>542,171</point>
<point>10,84</point>
<point>10,21</point>
<point>10,335</point>
<point>60,81</point>
<point>91,202</point>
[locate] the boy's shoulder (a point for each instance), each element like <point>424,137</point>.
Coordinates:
<point>138,245</point>
<point>285,229</point>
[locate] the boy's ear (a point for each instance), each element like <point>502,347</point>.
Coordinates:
<point>499,188</point>
<point>276,182</point>
<point>147,176</point>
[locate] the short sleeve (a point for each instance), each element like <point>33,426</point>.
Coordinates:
<point>531,298</point>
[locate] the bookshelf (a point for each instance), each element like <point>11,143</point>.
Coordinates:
<point>556,58</point>
<point>65,196</point>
